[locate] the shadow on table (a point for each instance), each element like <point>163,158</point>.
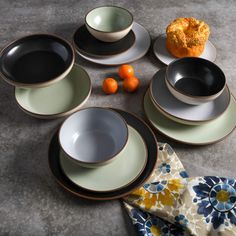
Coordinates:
<point>65,30</point>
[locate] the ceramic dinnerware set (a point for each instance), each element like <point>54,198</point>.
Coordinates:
<point>102,153</point>
<point>106,153</point>
<point>190,102</point>
<point>48,84</point>
<point>111,37</point>
<point>98,153</point>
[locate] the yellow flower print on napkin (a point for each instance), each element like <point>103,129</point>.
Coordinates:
<point>159,194</point>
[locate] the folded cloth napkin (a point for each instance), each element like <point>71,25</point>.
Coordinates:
<point>171,203</point>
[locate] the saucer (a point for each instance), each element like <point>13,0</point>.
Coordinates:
<point>59,99</point>
<point>137,51</point>
<point>161,52</point>
<point>127,166</point>
<point>211,132</point>
<point>181,112</point>
<point>90,46</point>
<point>152,151</point>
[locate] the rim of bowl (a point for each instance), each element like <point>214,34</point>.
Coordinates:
<point>189,95</point>
<point>60,114</point>
<point>110,158</point>
<point>40,84</point>
<point>158,106</point>
<point>108,6</point>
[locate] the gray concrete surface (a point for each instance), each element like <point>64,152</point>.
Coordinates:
<point>31,203</point>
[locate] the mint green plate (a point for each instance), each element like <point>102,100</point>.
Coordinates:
<point>211,132</point>
<point>124,170</point>
<point>59,99</point>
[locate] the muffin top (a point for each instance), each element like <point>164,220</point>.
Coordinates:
<point>188,32</point>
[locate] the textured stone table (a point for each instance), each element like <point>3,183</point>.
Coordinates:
<point>31,203</point>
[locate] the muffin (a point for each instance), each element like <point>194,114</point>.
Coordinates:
<point>186,37</point>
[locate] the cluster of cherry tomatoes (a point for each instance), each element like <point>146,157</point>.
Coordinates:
<point>130,82</point>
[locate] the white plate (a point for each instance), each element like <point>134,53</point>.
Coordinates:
<point>181,112</point>
<point>161,52</point>
<point>127,167</point>
<point>139,49</point>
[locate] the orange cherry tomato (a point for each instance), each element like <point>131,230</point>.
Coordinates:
<point>110,86</point>
<point>126,71</point>
<point>131,84</point>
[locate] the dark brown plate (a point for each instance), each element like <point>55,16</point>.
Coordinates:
<point>36,60</point>
<point>86,43</point>
<point>150,140</point>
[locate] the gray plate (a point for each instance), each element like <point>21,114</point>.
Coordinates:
<point>140,48</point>
<point>161,52</point>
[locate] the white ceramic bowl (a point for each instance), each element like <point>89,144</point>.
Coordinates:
<point>109,23</point>
<point>93,136</point>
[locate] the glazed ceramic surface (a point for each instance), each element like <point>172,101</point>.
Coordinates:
<point>150,140</point>
<point>161,52</point>
<point>109,23</point>
<point>194,80</point>
<point>140,48</point>
<point>88,45</point>
<point>93,136</point>
<point>36,60</point>
<point>182,112</point>
<point>59,99</point>
<point>211,132</point>
<point>127,166</point>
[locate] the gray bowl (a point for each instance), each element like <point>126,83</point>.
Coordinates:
<point>194,80</point>
<point>93,136</point>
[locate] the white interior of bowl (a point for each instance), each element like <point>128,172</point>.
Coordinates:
<point>109,19</point>
<point>93,135</point>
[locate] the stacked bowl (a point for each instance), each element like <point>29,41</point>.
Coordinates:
<point>111,37</point>
<point>47,82</point>
<point>190,102</point>
<point>102,153</point>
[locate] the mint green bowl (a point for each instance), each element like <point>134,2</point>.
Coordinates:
<point>109,23</point>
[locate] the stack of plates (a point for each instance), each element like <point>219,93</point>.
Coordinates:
<point>197,125</point>
<point>47,82</point>
<point>130,48</point>
<point>129,170</point>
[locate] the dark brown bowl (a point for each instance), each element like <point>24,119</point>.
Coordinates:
<point>36,60</point>
<point>195,80</point>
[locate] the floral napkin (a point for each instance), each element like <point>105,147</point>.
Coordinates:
<point>171,203</point>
